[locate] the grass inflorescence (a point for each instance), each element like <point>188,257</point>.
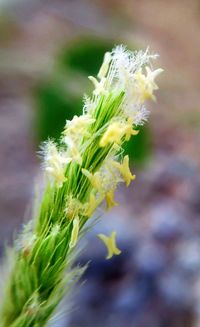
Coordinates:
<point>82,173</point>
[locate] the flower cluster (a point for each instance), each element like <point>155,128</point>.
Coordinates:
<point>91,144</point>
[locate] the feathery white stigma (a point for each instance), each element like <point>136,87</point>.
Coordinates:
<point>123,71</point>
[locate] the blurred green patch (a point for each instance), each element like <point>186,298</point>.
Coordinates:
<point>139,147</point>
<point>54,107</point>
<point>59,97</point>
<point>84,55</point>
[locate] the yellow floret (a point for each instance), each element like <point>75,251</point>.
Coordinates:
<point>78,126</point>
<point>146,84</point>
<point>113,134</point>
<point>56,163</point>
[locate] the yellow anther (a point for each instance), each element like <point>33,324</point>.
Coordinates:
<point>75,231</point>
<point>94,179</point>
<point>128,130</point>
<point>113,134</point>
<point>110,243</point>
<point>124,170</point>
<point>110,202</point>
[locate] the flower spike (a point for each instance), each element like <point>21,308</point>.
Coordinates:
<point>83,170</point>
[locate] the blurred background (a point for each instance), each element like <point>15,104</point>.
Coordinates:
<point>47,50</point>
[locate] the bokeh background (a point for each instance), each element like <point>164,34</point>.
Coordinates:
<point>47,50</point>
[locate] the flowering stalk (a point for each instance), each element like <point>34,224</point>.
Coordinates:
<point>83,172</point>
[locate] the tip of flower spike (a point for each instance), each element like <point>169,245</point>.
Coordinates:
<point>123,71</point>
